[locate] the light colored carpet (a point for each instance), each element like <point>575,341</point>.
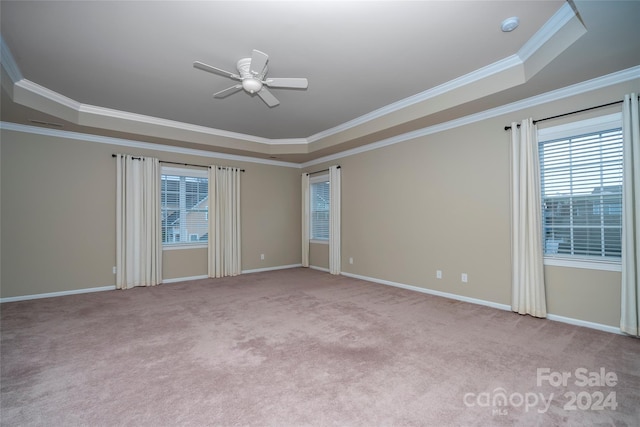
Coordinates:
<point>301,348</point>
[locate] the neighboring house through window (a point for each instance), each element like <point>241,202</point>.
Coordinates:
<point>581,190</point>
<point>184,206</point>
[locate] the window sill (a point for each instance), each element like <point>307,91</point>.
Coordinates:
<point>591,264</point>
<point>322,242</point>
<point>185,246</point>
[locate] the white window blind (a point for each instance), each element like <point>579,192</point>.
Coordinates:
<point>581,183</point>
<point>319,200</point>
<point>184,206</point>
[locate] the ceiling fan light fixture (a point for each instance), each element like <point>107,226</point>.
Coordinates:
<point>510,24</point>
<point>252,85</point>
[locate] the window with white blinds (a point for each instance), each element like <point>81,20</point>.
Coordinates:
<point>184,205</point>
<point>319,209</point>
<point>581,183</point>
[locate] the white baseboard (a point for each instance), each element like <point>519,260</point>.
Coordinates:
<point>184,279</point>
<point>57,294</point>
<point>431,292</point>
<point>552,317</point>
<point>279,267</point>
<point>584,323</point>
<point>112,288</point>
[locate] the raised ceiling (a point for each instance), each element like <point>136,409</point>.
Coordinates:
<point>375,69</point>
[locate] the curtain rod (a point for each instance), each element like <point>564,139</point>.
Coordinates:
<point>177,163</point>
<point>572,112</point>
<point>323,170</point>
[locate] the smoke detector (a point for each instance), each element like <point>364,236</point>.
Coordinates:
<point>510,24</point>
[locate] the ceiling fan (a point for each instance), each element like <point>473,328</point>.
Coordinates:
<point>252,78</point>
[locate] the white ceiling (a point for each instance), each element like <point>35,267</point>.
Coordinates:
<point>125,68</point>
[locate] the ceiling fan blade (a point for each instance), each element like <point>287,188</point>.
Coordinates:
<point>258,62</point>
<point>228,91</point>
<point>291,82</point>
<point>268,97</point>
<point>205,67</point>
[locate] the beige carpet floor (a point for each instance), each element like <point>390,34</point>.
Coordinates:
<point>300,347</point>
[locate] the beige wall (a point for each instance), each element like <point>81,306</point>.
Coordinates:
<point>435,203</point>
<point>319,255</point>
<point>441,202</point>
<point>179,263</point>
<point>271,217</point>
<point>57,210</point>
<point>58,215</point>
<point>577,293</point>
<point>438,202</point>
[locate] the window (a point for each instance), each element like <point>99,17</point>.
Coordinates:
<point>581,189</point>
<point>319,210</point>
<point>184,206</point>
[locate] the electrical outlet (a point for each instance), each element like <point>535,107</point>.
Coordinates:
<point>350,260</point>
<point>464,278</point>
<point>262,257</point>
<point>115,269</point>
<point>438,274</point>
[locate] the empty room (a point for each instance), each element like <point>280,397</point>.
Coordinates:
<point>320,213</point>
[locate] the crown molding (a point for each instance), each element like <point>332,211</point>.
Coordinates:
<point>542,36</point>
<point>48,94</point>
<point>85,137</point>
<point>8,62</point>
<point>87,114</point>
<point>548,30</point>
<point>556,95</point>
<point>573,90</point>
<point>475,76</point>
<point>93,110</point>
<point>83,113</point>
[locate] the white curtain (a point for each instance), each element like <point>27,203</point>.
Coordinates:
<point>528,292</point>
<point>305,219</point>
<point>224,222</point>
<point>334,220</point>
<point>138,223</point>
<point>630,309</point>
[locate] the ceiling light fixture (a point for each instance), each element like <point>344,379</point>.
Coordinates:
<point>252,85</point>
<point>510,24</point>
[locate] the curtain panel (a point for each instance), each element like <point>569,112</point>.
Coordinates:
<point>630,308</point>
<point>528,290</point>
<point>305,219</point>
<point>334,219</point>
<point>224,257</point>
<point>138,222</point>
